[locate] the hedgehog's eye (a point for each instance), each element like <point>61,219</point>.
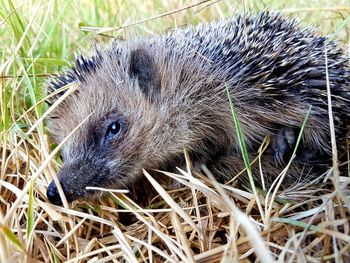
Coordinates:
<point>114,130</point>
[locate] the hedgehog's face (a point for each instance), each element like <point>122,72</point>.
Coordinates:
<point>114,116</point>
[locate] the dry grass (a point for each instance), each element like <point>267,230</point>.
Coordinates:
<point>204,221</point>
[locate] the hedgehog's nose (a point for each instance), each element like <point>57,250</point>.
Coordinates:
<point>53,195</point>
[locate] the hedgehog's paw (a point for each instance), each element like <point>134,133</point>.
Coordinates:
<point>282,144</point>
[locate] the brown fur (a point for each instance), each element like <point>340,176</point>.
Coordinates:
<point>171,93</point>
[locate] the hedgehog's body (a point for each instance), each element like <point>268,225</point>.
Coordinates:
<point>152,97</point>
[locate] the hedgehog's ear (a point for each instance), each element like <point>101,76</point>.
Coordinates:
<point>143,67</point>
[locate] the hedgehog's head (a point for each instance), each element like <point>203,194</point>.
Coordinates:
<point>114,106</point>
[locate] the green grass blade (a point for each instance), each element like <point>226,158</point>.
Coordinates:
<point>244,152</point>
<point>11,237</point>
<point>240,135</point>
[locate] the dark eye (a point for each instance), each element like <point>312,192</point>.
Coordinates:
<point>114,130</point>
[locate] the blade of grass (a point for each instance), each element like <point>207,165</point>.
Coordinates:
<point>318,229</point>
<point>30,210</point>
<point>253,235</point>
<point>279,179</point>
<point>244,153</point>
<point>11,237</point>
<point>172,203</point>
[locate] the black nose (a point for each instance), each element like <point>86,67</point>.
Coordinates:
<point>53,194</point>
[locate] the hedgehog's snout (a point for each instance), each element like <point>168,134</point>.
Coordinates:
<point>69,190</point>
<point>53,195</point>
<point>75,177</point>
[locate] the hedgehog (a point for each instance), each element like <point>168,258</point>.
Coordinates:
<point>141,102</point>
